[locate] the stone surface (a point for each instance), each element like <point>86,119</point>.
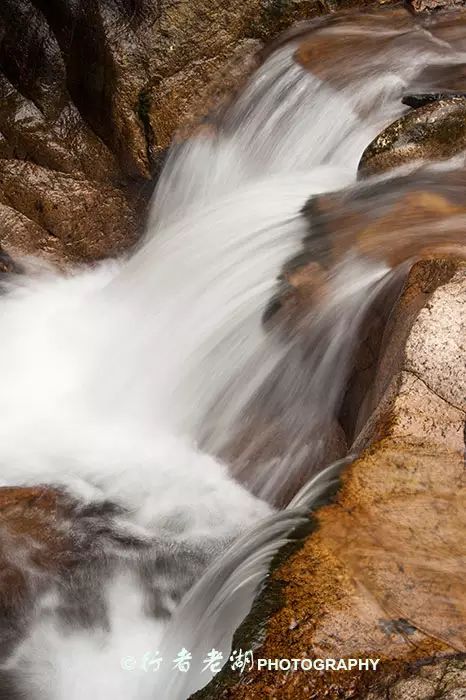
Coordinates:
<point>371,37</point>
<point>418,215</point>
<point>95,92</point>
<point>324,51</point>
<point>44,536</point>
<point>435,131</point>
<point>421,215</point>
<point>439,680</point>
<point>381,573</point>
<point>64,216</point>
<point>439,335</point>
<point>429,5</point>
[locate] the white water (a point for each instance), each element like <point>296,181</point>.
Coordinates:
<point>126,382</point>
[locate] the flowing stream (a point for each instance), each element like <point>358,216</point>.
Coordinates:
<point>160,384</point>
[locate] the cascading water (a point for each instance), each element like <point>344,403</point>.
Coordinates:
<point>153,383</point>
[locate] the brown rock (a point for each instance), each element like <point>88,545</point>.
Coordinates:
<point>406,218</point>
<point>435,131</point>
<point>429,5</point>
<point>324,50</point>
<point>419,215</point>
<point>52,209</point>
<point>36,547</point>
<point>91,96</point>
<point>184,99</point>
<point>96,92</point>
<point>378,38</point>
<point>381,575</point>
<point>442,680</point>
<point>63,192</point>
<point>52,543</point>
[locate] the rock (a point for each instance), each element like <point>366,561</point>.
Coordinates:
<point>435,131</point>
<point>65,191</point>
<point>429,5</point>
<point>420,100</point>
<point>377,39</point>
<point>407,217</point>
<point>150,69</point>
<point>35,522</point>
<point>380,574</point>
<point>89,141</point>
<point>399,220</point>
<point>80,148</point>
<point>396,221</point>
<point>183,100</point>
<point>442,680</point>
<point>323,50</point>
<point>369,37</point>
<point>66,217</point>
<point>57,554</point>
<point>410,216</point>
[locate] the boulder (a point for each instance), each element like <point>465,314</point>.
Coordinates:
<point>380,574</point>
<point>434,131</point>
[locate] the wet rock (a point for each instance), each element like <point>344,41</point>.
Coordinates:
<point>380,574</point>
<point>323,50</point>
<point>394,222</point>
<point>412,216</point>
<point>442,680</point>
<point>96,91</point>
<point>429,5</point>
<point>34,522</point>
<point>375,39</point>
<point>183,100</point>
<point>65,191</point>
<point>276,16</point>
<point>91,95</point>
<point>68,218</point>
<point>435,131</point>
<point>57,554</point>
<point>420,100</point>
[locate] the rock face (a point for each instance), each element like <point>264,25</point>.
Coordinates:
<point>435,131</point>
<point>380,575</point>
<point>91,95</point>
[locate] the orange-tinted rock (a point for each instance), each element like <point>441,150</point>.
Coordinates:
<point>408,217</point>
<point>184,99</point>
<point>381,574</point>
<point>36,547</point>
<point>324,50</point>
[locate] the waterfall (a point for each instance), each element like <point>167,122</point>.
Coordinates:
<point>154,383</point>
